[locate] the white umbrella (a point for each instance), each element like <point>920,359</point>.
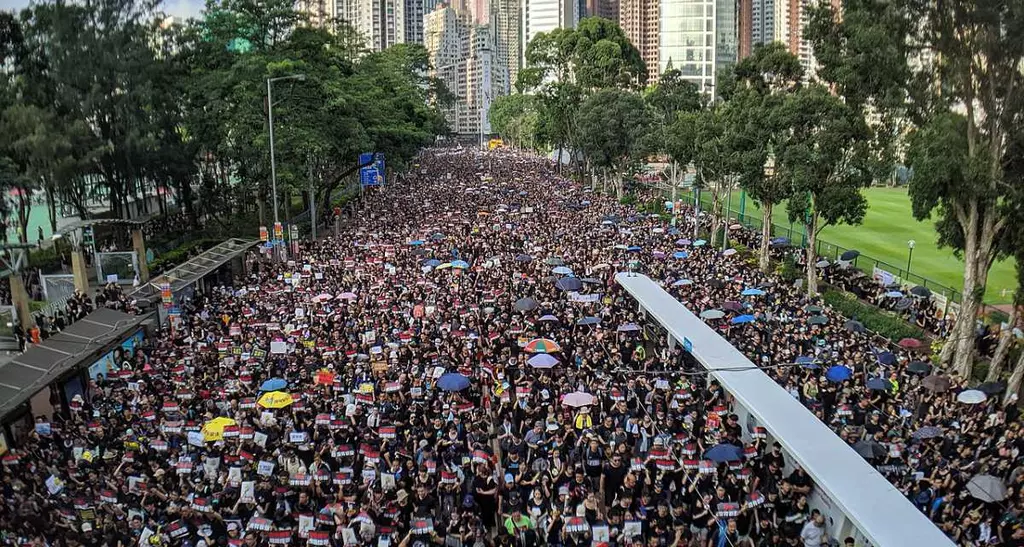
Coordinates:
<point>712,314</point>
<point>578,399</point>
<point>971,397</point>
<point>987,488</point>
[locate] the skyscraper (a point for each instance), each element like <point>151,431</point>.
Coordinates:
<point>547,15</point>
<point>699,38</point>
<point>320,12</point>
<point>639,21</point>
<point>506,22</point>
<point>381,22</point>
<point>608,9</point>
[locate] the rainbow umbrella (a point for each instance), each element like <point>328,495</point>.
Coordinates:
<point>542,345</point>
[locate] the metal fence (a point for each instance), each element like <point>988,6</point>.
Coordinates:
<point>122,264</point>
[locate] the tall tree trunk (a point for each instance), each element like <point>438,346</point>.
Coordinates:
<point>960,357</point>
<point>716,215</point>
<point>1013,385</point>
<point>811,255</point>
<point>51,205</point>
<point>995,367</point>
<point>766,236</point>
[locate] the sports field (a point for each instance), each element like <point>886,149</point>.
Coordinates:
<point>883,235</point>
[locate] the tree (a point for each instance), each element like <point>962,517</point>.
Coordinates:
<point>826,160</point>
<point>701,139</point>
<point>760,123</point>
<point>668,98</point>
<point>515,118</point>
<point>612,124</point>
<point>974,52</point>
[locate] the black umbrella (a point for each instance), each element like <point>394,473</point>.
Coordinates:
<point>849,255</point>
<point>991,388</point>
<point>591,281</point>
<point>854,326</point>
<point>904,303</point>
<point>526,304</point>
<point>523,258</point>
<point>569,284</point>
<point>870,450</point>
<point>922,291</point>
<point>918,367</point>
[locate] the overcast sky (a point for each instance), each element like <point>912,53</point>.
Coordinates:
<point>178,8</point>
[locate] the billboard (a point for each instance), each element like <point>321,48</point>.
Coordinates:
<point>372,171</point>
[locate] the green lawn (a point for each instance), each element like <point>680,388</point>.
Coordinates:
<point>883,236</point>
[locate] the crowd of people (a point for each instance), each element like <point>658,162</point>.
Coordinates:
<point>459,368</point>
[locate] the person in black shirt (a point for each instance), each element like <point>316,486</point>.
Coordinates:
<point>612,477</point>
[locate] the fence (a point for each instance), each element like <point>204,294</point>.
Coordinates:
<point>57,286</point>
<point>117,267</point>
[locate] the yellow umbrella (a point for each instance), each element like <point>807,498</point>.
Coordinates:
<point>275,399</point>
<point>213,430</point>
<point>444,266</point>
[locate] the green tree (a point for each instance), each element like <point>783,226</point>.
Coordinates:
<point>954,70</point>
<point>612,124</point>
<point>702,139</point>
<point>515,118</point>
<point>827,162</point>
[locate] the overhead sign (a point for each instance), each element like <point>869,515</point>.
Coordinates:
<point>371,172</point>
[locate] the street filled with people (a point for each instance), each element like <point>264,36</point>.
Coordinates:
<point>456,366</point>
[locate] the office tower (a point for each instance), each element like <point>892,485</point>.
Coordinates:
<point>547,15</point>
<point>756,24</point>
<point>726,34</point>
<point>608,9</point>
<point>380,22</point>
<point>687,40</point>
<point>505,20</point>
<point>639,21</point>
<point>320,12</point>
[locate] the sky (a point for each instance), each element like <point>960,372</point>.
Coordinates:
<point>177,8</point>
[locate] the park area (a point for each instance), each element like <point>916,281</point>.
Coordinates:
<point>883,236</point>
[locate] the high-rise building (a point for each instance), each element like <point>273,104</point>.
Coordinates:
<point>505,20</point>
<point>380,22</point>
<point>639,21</point>
<point>784,21</point>
<point>608,9</point>
<point>687,40</point>
<point>547,15</point>
<point>320,12</point>
<point>464,56</point>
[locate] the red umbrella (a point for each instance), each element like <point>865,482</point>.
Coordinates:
<point>910,343</point>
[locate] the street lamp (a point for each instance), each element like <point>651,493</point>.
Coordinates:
<point>270,119</point>
<point>910,254</point>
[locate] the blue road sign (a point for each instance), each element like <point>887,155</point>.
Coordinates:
<point>372,172</point>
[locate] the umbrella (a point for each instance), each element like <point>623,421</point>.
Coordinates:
<point>542,360</point>
<point>569,284</point>
<point>817,320</point>
<point>893,294</point>
<point>822,263</point>
<point>724,453</point>
<point>927,432</point>
<point>561,270</point>
<point>992,388</point>
<point>681,282</point>
<point>910,343</point>
<point>741,319</point>
<point>523,258</point>
<point>588,321</point>
<point>554,261</point>
<point>712,314</point>
<point>680,254</point>
<point>452,381</point>
<point>812,309</point>
<point>542,345</point>
<point>460,264</point>
<point>849,255</point>
<point>987,488</point>
<point>728,252</point>
<point>432,263</point>
<point>275,399</point>
<point>323,297</point>
<point>548,317</point>
<point>732,305</point>
<point>348,296</point>
<point>416,242</point>
<point>526,304</point>
<point>870,450</point>
<point>936,383</point>
<point>805,360</point>
<point>918,367</point>
<point>436,236</point>
<point>752,292</point>
<point>700,243</point>
<point>886,358</point>
<point>213,430</point>
<point>633,249</point>
<point>628,327</point>
<point>838,373</point>
<point>577,399</point>
<point>274,384</point>
<point>779,242</point>
<point>683,242</point>
<point>921,291</point>
<point>854,326</point>
<point>971,397</point>
<point>591,281</point>
<point>904,303</point>
<point>878,384</point>
<point>444,266</point>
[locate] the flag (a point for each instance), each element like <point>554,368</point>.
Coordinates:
<point>299,479</point>
<point>319,538</point>
<point>387,432</point>
<point>280,537</point>
<point>177,529</point>
<point>260,524</point>
<point>707,467</point>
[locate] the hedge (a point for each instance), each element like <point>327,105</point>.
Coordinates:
<point>874,319</point>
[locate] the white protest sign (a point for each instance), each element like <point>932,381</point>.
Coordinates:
<point>265,468</point>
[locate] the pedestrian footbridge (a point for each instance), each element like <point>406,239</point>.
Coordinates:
<point>856,500</point>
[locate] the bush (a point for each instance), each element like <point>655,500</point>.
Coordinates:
<point>628,199</point>
<point>789,270</point>
<point>876,320</point>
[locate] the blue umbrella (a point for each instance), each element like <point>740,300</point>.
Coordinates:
<point>752,292</point>
<point>460,264</point>
<point>433,263</point>
<point>683,242</point>
<point>633,249</point>
<point>741,319</point>
<point>886,358</point>
<point>673,231</point>
<point>894,294</point>
<point>680,254</point>
<point>700,243</point>
<point>274,384</point>
<point>588,321</point>
<point>724,453</point>
<point>879,384</point>
<point>806,361</point>
<point>681,282</point>
<point>542,360</point>
<point>416,242</point>
<point>779,241</point>
<point>561,270</point>
<point>437,236</point>
<point>569,284</point>
<point>838,373</point>
<point>452,381</point>
<point>523,258</point>
<point>628,327</point>
<point>547,317</point>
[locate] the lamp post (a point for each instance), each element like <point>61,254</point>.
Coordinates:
<point>273,164</point>
<point>910,253</point>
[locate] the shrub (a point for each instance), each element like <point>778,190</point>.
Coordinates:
<point>874,319</point>
<point>789,270</point>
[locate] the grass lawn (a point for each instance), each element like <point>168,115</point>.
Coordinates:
<point>883,235</point>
